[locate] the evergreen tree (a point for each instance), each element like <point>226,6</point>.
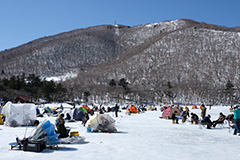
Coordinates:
<point>33,85</point>
<point>123,82</point>
<point>229,85</point>
<point>86,94</point>
<point>48,89</point>
<point>112,83</point>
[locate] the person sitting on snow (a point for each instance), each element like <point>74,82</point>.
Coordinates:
<point>21,141</point>
<point>207,120</point>
<point>220,119</point>
<point>68,117</point>
<point>60,125</point>
<point>194,118</point>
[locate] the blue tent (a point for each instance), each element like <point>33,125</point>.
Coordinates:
<point>78,114</point>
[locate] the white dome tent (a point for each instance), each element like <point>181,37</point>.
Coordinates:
<point>19,114</point>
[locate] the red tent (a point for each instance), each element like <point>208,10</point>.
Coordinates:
<point>169,111</point>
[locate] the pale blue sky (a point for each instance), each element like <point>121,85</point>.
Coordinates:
<point>22,21</point>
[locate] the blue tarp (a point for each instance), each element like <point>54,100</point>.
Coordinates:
<point>46,132</point>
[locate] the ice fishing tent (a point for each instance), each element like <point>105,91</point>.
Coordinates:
<point>86,107</point>
<point>132,108</point>
<point>169,111</point>
<point>78,114</point>
<point>47,110</point>
<point>83,110</point>
<point>45,132</point>
<point>194,107</point>
<point>101,123</point>
<point>19,114</point>
<point>148,107</point>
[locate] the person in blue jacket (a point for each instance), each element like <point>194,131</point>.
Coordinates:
<point>236,120</point>
<point>207,120</point>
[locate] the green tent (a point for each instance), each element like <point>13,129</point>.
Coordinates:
<point>83,110</point>
<point>48,109</point>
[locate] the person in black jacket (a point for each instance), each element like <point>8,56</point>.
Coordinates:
<point>174,117</point>
<point>60,125</point>
<point>116,110</point>
<point>194,118</point>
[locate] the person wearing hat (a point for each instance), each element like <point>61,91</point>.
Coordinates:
<point>185,114</point>
<point>204,109</point>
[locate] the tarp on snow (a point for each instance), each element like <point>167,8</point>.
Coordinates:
<point>19,114</point>
<point>101,123</point>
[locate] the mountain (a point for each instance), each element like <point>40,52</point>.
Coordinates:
<point>184,55</point>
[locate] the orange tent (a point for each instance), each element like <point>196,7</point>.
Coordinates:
<point>194,107</point>
<point>132,108</point>
<point>87,108</point>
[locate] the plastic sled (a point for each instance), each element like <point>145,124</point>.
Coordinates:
<point>16,145</point>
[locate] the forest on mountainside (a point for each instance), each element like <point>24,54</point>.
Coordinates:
<point>167,62</point>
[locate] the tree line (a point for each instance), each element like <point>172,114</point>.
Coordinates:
<point>33,87</point>
<point>115,90</point>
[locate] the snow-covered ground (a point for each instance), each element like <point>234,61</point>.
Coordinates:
<point>140,136</point>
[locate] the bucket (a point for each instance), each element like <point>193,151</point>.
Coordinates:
<point>1,121</point>
<point>195,122</point>
<point>74,133</point>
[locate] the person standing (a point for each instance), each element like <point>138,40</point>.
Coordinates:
<point>85,119</point>
<point>204,109</point>
<point>185,114</point>
<point>236,120</point>
<point>174,117</point>
<point>116,110</point>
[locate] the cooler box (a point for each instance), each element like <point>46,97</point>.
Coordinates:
<point>74,133</point>
<point>33,146</point>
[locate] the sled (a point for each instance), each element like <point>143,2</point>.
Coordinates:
<point>16,145</point>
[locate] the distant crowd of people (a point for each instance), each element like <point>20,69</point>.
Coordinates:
<point>233,120</point>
